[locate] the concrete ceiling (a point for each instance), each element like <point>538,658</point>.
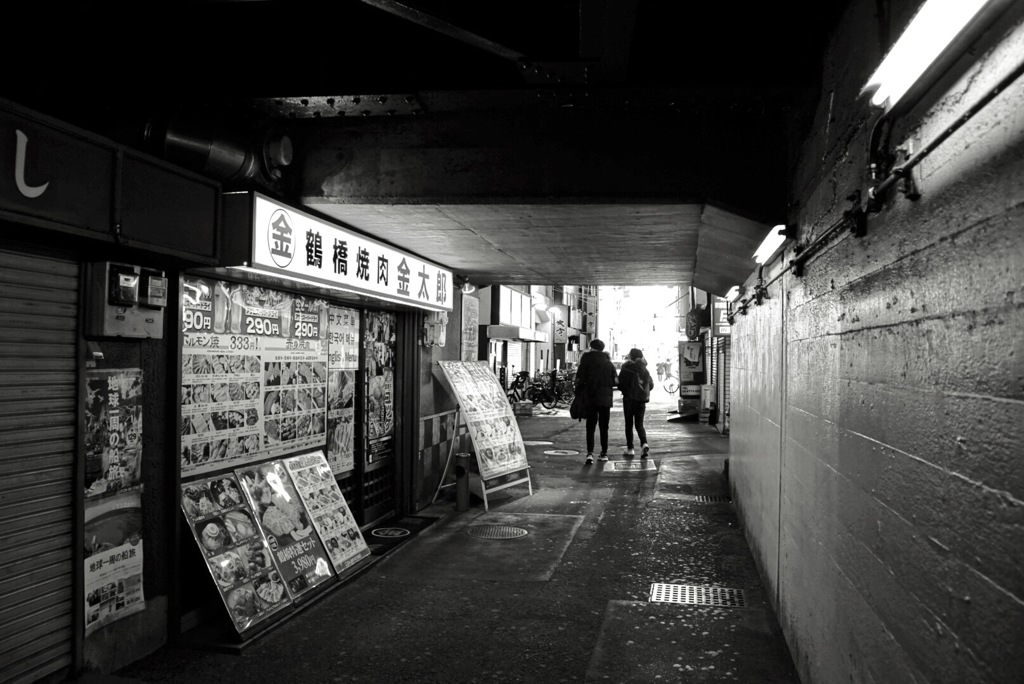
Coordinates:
<point>537,142</point>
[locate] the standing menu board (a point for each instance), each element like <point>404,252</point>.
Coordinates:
<point>286,525</point>
<point>238,557</point>
<point>326,504</point>
<point>489,418</point>
<point>253,374</point>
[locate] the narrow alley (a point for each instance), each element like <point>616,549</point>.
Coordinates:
<point>585,581</point>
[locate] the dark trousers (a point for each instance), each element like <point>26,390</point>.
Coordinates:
<point>598,417</point>
<point>634,412</point>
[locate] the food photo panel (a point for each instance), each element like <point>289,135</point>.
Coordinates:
<point>237,555</point>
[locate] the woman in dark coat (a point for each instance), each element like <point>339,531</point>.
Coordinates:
<point>635,383</point>
<point>595,379</point>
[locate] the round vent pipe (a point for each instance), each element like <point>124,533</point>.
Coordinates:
<point>217,154</point>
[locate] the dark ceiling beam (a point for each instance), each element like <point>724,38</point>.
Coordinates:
<point>444,27</point>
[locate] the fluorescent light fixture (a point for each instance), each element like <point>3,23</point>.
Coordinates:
<point>931,30</point>
<point>771,242</point>
<point>733,293</point>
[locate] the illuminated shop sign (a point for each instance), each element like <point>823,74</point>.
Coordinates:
<point>290,243</point>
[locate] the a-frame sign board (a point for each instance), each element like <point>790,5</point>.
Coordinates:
<point>487,413</point>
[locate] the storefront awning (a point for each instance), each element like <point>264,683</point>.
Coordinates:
<point>513,332</point>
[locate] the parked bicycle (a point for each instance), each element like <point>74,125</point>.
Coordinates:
<point>520,388</point>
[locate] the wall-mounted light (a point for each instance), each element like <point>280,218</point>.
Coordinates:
<point>772,241</point>
<point>466,286</point>
<point>923,46</point>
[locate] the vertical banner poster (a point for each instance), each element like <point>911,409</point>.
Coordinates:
<point>113,430</point>
<point>691,362</point>
<point>380,384</point>
<point>326,504</point>
<point>281,516</point>
<point>488,415</point>
<point>238,557</point>
<point>470,328</point>
<point>254,374</point>
<point>113,559</point>
<point>342,364</point>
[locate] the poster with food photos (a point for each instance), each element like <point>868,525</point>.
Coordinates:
<point>342,365</point>
<point>488,416</point>
<point>237,556</point>
<point>286,525</point>
<point>253,374</point>
<point>379,341</point>
<point>327,507</point>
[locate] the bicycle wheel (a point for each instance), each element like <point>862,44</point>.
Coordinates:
<point>548,398</point>
<point>671,385</point>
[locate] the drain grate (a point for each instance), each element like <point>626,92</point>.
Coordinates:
<point>495,531</point>
<point>697,595</point>
<point>713,499</point>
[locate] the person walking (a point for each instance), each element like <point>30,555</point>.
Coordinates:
<point>595,379</point>
<point>635,383</point>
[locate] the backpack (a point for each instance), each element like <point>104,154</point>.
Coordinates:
<point>638,389</point>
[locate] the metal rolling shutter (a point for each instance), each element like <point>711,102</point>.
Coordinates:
<point>38,341</point>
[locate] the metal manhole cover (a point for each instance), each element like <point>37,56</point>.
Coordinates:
<point>390,532</point>
<point>561,452</point>
<point>495,531</point>
<point>713,499</point>
<point>536,443</point>
<point>642,464</point>
<point>697,595</point>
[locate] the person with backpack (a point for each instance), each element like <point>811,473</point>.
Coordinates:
<point>595,381</point>
<point>635,383</point>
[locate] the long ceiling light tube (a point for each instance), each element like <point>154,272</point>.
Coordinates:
<point>935,27</point>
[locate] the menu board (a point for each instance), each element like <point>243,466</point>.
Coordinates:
<point>488,416</point>
<point>237,555</point>
<point>253,374</point>
<point>326,504</point>
<point>342,365</point>
<point>286,525</point>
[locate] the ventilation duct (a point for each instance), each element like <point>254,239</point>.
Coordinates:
<point>219,155</point>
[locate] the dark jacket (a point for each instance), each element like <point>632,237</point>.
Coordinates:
<point>595,378</point>
<point>635,372</point>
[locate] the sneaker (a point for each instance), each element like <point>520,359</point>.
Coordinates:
<point>646,450</point>
<point>629,453</point>
<point>590,460</point>
<point>602,457</point>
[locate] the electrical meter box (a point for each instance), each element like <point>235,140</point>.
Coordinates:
<point>124,301</point>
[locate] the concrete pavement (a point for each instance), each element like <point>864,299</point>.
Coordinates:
<point>553,587</point>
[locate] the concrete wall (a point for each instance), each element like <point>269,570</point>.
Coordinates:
<point>878,401</point>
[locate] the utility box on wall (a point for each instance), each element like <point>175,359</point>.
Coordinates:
<point>124,301</point>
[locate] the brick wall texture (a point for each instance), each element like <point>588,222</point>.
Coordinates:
<point>878,401</point>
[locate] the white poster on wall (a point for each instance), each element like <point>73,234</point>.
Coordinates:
<point>470,328</point>
<point>342,365</point>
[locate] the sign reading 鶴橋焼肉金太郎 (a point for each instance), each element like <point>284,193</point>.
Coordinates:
<point>292,243</point>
